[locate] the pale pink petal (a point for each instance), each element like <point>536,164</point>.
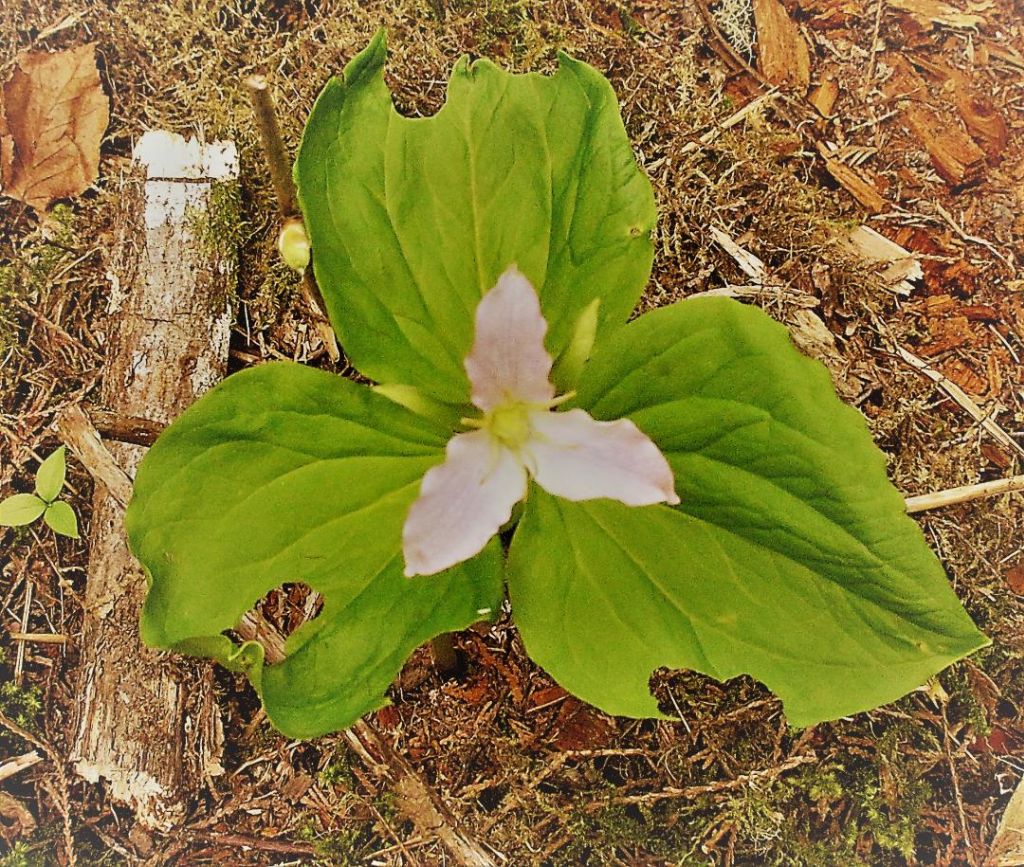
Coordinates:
<point>462,503</point>
<point>573,456</point>
<point>508,361</point>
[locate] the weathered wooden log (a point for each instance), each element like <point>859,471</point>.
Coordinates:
<point>147,724</point>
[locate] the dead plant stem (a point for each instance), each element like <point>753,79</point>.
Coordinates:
<point>964,494</point>
<point>284,187</point>
<point>273,144</point>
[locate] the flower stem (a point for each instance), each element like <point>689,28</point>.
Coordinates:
<point>442,649</point>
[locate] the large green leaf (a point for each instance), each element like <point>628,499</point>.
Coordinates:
<point>790,557</point>
<point>339,665</point>
<point>282,474</point>
<point>413,220</point>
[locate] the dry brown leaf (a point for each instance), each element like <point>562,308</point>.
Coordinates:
<point>581,727</point>
<point>52,117</point>
<point>937,12</point>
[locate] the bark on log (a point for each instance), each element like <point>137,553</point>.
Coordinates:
<point>147,723</point>
<point>782,53</point>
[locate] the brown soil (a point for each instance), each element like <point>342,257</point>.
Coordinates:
<point>536,775</point>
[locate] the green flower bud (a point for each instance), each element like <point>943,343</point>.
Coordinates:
<point>293,245</point>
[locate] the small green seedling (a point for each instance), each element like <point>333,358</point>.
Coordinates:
<point>21,509</point>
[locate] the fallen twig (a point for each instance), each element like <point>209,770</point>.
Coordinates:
<point>18,764</point>
<point>964,494</point>
<point>26,610</point>
<point>962,398</point>
<point>973,239</point>
<point>239,841</point>
<point>39,637</point>
<point>731,121</point>
<point>80,435</point>
<point>691,792</point>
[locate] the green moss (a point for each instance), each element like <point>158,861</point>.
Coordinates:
<point>22,855</point>
<point>22,705</point>
<point>30,271</point>
<point>8,314</point>
<point>345,847</point>
<point>274,292</point>
<point>338,772</point>
<point>616,831</point>
<point>218,229</point>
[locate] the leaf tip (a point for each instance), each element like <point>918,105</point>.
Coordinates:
<point>369,62</point>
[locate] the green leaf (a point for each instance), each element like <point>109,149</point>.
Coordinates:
<point>416,401</point>
<point>61,518</point>
<point>412,220</point>
<point>50,476</point>
<point>569,365</point>
<point>287,474</point>
<point>20,509</point>
<point>340,664</point>
<point>790,557</point>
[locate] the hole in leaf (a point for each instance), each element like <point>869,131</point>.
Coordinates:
<point>276,615</point>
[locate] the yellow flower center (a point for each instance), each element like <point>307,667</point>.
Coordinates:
<point>509,424</point>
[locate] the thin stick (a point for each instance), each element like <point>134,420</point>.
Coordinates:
<point>238,840</point>
<point>39,637</point>
<point>730,121</point>
<point>974,239</point>
<point>964,494</point>
<point>880,6</point>
<point>961,397</point>
<point>19,661</point>
<point>693,792</point>
<point>273,143</point>
<point>284,188</point>
<point>19,764</point>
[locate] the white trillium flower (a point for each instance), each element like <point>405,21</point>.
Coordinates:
<point>464,501</point>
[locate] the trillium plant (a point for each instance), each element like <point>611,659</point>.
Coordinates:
<point>682,490</point>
